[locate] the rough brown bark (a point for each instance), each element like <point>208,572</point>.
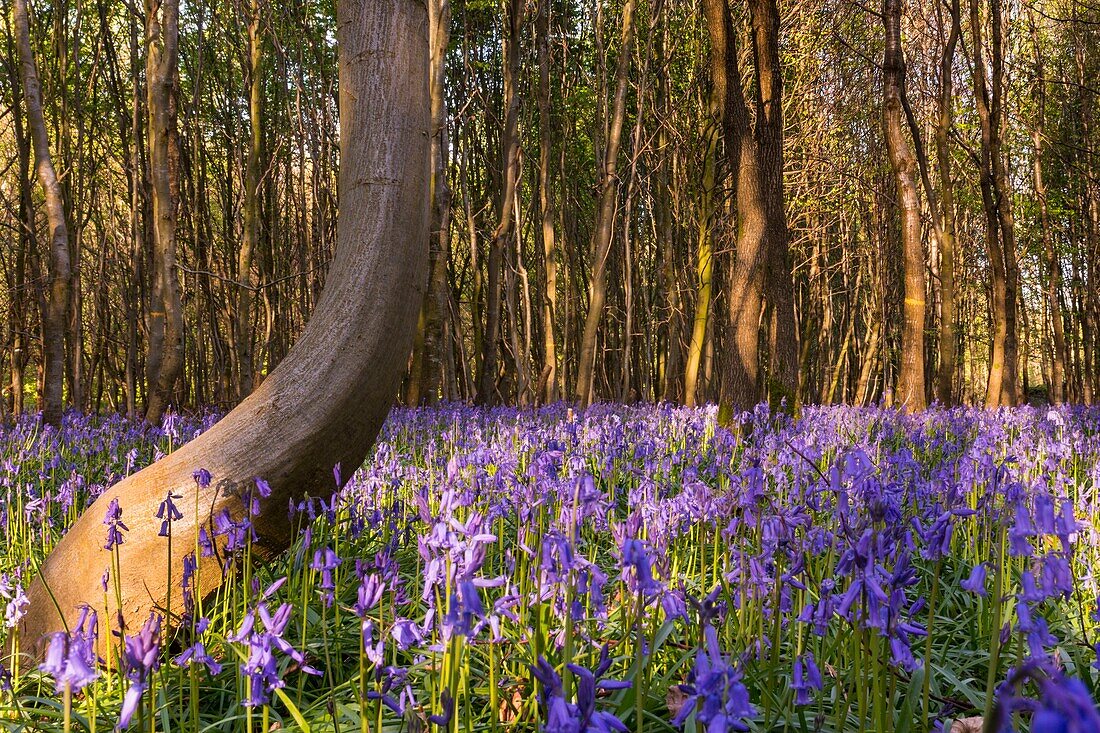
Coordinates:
<point>910,387</point>
<point>783,335</point>
<point>739,388</point>
<point>161,71</point>
<point>55,314</point>
<point>324,403</point>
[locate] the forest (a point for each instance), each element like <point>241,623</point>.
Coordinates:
<point>570,366</point>
<point>820,202</point>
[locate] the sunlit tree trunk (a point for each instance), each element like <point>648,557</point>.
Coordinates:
<point>910,389</point>
<point>704,271</point>
<point>250,239</point>
<point>547,211</point>
<point>161,71</point>
<point>55,314</point>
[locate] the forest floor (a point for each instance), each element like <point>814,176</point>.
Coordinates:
<point>623,568</point>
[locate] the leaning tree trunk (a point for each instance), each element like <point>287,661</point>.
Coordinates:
<point>327,399</point>
<point>55,315</point>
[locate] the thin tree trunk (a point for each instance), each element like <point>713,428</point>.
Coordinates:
<point>250,239</point>
<point>547,212</point>
<point>605,215</point>
<point>55,314</point>
<point>1002,368</point>
<point>509,143</point>
<point>945,113</point>
<point>704,270</point>
<point>1050,254</point>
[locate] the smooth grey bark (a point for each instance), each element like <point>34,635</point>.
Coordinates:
<point>325,402</point>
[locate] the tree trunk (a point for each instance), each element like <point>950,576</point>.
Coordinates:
<point>704,270</point>
<point>783,336</point>
<point>324,403</point>
<point>250,239</point>
<point>547,211</point>
<point>161,70</point>
<point>910,390</point>
<point>1050,254</point>
<point>509,144</point>
<point>947,348</point>
<point>1000,242</point>
<point>55,314</point>
<point>605,215</point>
<point>740,388</point>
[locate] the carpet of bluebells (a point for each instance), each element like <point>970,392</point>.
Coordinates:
<point>619,569</point>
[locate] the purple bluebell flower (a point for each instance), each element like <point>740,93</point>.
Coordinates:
<point>70,658</point>
<point>115,525</point>
<point>562,716</point>
<point>715,691</point>
<point>168,512</point>
<point>142,659</point>
<point>325,562</point>
<point>202,478</point>
<point>805,677</point>
<point>975,582</point>
<point>262,667</point>
<point>197,654</point>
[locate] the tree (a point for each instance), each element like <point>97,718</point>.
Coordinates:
<point>1000,234</point>
<point>911,385</point>
<point>603,228</point>
<point>946,229</point>
<point>783,334</point>
<point>509,145</point>
<point>161,70</point>
<point>740,387</point>
<point>324,403</point>
<point>55,313</point>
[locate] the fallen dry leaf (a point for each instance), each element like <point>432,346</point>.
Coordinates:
<point>675,700</point>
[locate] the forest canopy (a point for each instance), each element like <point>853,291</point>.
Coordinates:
<point>817,201</point>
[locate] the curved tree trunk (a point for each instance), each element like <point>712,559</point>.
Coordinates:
<point>327,399</point>
<point>55,314</point>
